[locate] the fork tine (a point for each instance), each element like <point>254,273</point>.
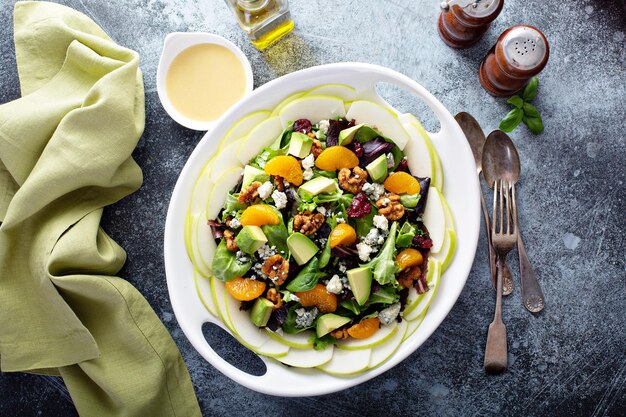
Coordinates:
<point>514,207</point>
<point>501,208</point>
<point>509,208</point>
<point>494,221</point>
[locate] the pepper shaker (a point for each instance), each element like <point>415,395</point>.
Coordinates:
<point>463,22</point>
<point>520,53</point>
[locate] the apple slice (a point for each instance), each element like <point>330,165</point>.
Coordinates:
<point>423,302</point>
<point>203,288</point>
<point>244,126</point>
<point>448,214</point>
<point>381,118</point>
<point>314,108</point>
<point>248,334</point>
<point>414,298</point>
<point>219,293</point>
<point>344,92</point>
<point>226,159</point>
<point>223,185</point>
<point>418,154</point>
<point>260,137</point>
<point>413,325</point>
<point>307,358</point>
<point>203,238</point>
<point>296,340</point>
<point>346,362</point>
<point>381,336</point>
<point>286,101</point>
<point>437,179</point>
<point>201,190</point>
<point>189,221</point>
<point>446,254</point>
<point>197,255</point>
<point>382,352</point>
<point>434,219</point>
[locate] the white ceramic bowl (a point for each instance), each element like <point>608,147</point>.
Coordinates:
<point>173,45</point>
<point>461,190</point>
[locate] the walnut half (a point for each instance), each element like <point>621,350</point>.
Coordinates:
<point>307,223</point>
<point>389,205</point>
<point>274,297</point>
<point>229,235</point>
<point>352,181</point>
<point>276,268</point>
<point>250,194</point>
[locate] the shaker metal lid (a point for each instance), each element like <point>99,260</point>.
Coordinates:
<point>476,8</point>
<point>525,47</point>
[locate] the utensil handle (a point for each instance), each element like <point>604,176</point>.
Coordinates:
<point>496,348</point>
<point>532,296</point>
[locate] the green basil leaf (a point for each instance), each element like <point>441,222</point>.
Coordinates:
<point>307,278</point>
<point>530,110</point>
<point>535,124</point>
<point>289,326</point>
<point>277,235</point>
<point>530,91</point>
<point>351,305</point>
<point>225,265</point>
<point>511,120</point>
<point>516,101</point>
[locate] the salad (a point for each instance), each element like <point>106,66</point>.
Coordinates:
<point>323,234</point>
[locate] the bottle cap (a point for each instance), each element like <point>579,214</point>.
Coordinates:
<point>525,48</point>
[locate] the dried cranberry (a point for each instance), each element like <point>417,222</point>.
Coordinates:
<point>403,165</point>
<point>302,126</point>
<point>360,206</point>
<point>357,148</point>
<point>351,123</point>
<point>422,242</point>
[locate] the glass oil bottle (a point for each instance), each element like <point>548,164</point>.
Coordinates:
<point>265,21</point>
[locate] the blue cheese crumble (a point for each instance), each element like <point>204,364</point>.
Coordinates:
<point>373,191</point>
<point>389,314</point>
<point>280,199</point>
<point>364,251</point>
<point>305,318</point>
<point>381,222</point>
<point>335,285</point>
<point>265,190</point>
<point>234,223</point>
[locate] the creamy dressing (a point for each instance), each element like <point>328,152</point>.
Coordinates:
<point>204,81</point>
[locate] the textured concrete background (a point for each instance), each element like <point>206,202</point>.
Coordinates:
<point>569,360</point>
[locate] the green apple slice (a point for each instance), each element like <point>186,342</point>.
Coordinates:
<point>225,160</point>
<point>413,325</point>
<point>251,336</point>
<point>203,288</point>
<point>382,352</point>
<point>380,117</point>
<point>244,126</point>
<point>344,92</point>
<point>419,156</point>
<point>296,340</point>
<point>262,136</point>
<point>448,214</point>
<point>286,101</point>
<point>434,219</point>
<point>198,257</point>
<point>438,180</point>
<point>424,300</point>
<point>314,108</point>
<point>381,336</point>
<point>413,299</point>
<point>219,293</point>
<point>187,233</point>
<point>307,358</point>
<point>223,185</point>
<point>203,239</point>
<point>201,190</point>
<point>446,254</point>
<point>345,363</point>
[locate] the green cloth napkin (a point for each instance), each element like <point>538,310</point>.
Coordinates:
<point>65,152</point>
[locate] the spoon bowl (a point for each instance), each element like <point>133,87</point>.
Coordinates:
<point>500,159</point>
<point>475,136</point>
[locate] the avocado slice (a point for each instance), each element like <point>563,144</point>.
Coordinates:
<point>329,322</point>
<point>301,247</point>
<point>251,174</point>
<point>346,136</point>
<point>377,169</point>
<point>250,238</point>
<point>319,185</point>
<point>361,283</point>
<point>261,311</point>
<point>300,145</point>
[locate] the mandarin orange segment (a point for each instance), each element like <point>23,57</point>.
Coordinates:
<point>336,157</point>
<point>365,328</point>
<point>402,183</point>
<point>287,167</point>
<point>245,289</point>
<point>408,258</point>
<point>259,215</point>
<point>343,234</point>
<point>325,301</point>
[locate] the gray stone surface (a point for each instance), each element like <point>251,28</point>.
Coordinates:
<point>569,360</point>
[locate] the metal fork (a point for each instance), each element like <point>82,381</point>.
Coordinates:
<point>504,237</point>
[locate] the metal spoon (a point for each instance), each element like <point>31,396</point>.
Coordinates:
<point>476,138</point>
<point>501,161</point>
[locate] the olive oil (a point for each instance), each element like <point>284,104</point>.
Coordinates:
<point>265,21</point>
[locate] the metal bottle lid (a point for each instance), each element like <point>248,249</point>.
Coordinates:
<point>525,48</point>
<point>476,8</point>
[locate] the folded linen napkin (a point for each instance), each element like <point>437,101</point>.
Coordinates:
<point>65,152</point>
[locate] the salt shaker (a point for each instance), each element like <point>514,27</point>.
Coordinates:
<point>463,22</point>
<point>520,53</point>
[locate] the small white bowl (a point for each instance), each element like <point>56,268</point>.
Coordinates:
<point>173,45</point>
